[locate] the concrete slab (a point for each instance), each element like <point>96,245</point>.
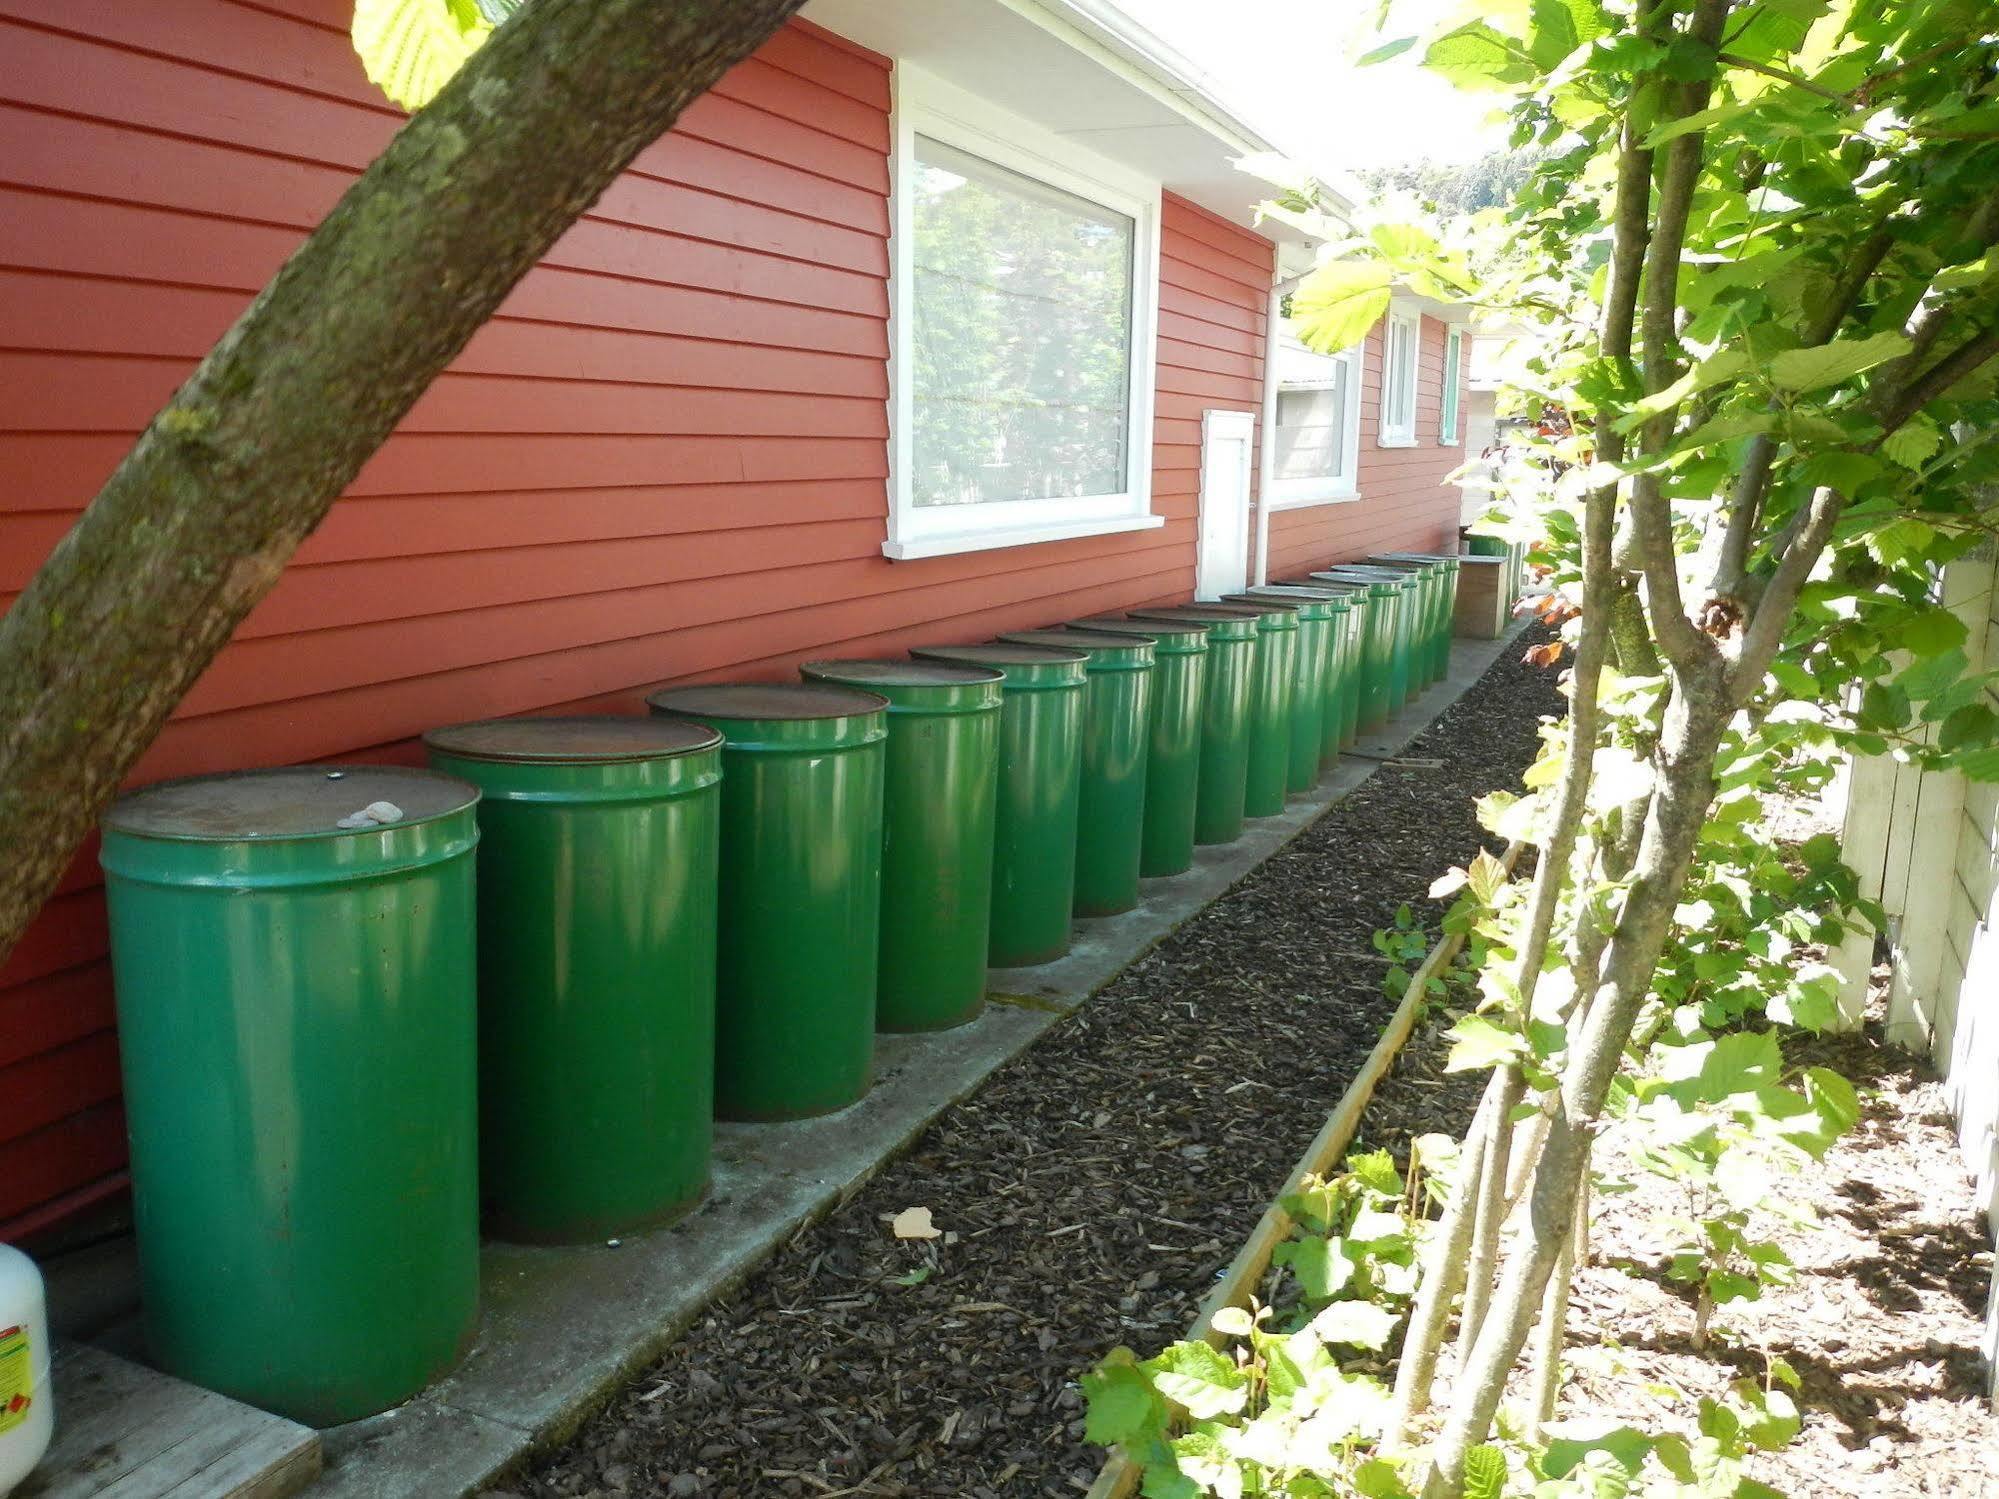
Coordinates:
<point>562,1329</point>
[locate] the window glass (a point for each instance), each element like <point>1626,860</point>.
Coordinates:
<point>1021,336</point>
<point>1312,408</point>
<point>1453,378</point>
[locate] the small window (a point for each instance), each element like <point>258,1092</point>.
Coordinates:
<point>1398,379</point>
<point>1454,375</point>
<point>1317,424</point>
<point>1023,345</point>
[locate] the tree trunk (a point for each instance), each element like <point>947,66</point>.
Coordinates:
<point>239,467</point>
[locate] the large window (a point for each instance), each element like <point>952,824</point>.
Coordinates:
<point>1317,424</point>
<point>1023,295</point>
<point>1398,378</point>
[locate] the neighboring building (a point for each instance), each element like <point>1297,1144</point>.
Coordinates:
<point>935,318</point>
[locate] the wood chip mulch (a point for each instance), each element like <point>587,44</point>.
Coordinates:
<point>1088,1195</point>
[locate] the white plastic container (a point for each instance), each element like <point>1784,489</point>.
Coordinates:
<point>27,1409</point>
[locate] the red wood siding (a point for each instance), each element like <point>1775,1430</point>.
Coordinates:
<point>1404,504</point>
<point>664,460</point>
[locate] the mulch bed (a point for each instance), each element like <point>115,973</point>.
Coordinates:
<point>1089,1194</point>
<point>1882,1324</point>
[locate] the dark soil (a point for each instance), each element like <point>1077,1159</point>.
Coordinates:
<point>1089,1194</point>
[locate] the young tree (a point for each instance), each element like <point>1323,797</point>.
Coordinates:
<point>236,470</point>
<point>1760,260</point>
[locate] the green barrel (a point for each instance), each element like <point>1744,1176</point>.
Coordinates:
<point>1375,644</point>
<point>1355,667</point>
<point>1324,616</point>
<point>937,835</point>
<point>1173,759</point>
<point>1270,707</point>
<point>596,968</point>
<point>800,912</point>
<point>1443,568</point>
<point>1224,762</point>
<point>297,1020</point>
<point>1308,682</point>
<point>1395,606</point>
<point>1429,576</point>
<point>1040,777</point>
<point>1117,734</point>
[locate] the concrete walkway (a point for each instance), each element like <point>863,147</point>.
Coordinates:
<point>561,1329</point>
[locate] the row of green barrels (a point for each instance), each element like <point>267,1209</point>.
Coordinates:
<point>705,913</point>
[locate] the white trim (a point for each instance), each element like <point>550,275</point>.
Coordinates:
<point>940,111</point>
<point>1016,536</point>
<point>1403,435</point>
<point>1311,501</point>
<point>1266,421</point>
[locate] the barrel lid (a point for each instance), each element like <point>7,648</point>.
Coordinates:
<point>602,737</point>
<point>1155,629</point>
<point>1207,614</point>
<point>1072,640</point>
<point>767,700</point>
<point>1304,593</point>
<point>904,673</point>
<point>291,801</point>
<point>1001,653</point>
<point>1263,605</point>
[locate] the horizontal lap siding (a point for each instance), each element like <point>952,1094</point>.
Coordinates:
<point>663,460</point>
<point>1404,504</point>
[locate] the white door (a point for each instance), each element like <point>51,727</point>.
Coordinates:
<point>1228,438</point>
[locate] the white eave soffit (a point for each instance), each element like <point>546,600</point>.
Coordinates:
<point>1083,70</point>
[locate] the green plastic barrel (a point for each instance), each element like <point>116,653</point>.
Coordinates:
<point>1224,762</point>
<point>1173,758</point>
<point>1376,645</point>
<point>1407,682</point>
<point>937,835</point>
<point>596,968</point>
<point>1270,707</point>
<point>1443,570</point>
<point>1308,682</point>
<point>1323,627</point>
<point>1394,605</point>
<point>1355,666</point>
<point>296,1017</point>
<point>800,912</point>
<point>1429,574</point>
<point>1117,732</point>
<point>1040,777</point>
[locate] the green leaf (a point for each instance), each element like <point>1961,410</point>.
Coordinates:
<point>1120,1405</point>
<point>1828,364</point>
<point>1899,540</point>
<point>1485,1473</point>
<point>1912,443</point>
<point>1339,302</point>
<point>1378,1478</point>
<point>411,48</point>
<point>1478,1044</point>
<point>1197,1377</point>
<point>1233,1322</point>
<point>1319,1271</point>
<point>1358,1324</point>
<point>1477,57</point>
<point>1933,631</point>
<point>1385,51</point>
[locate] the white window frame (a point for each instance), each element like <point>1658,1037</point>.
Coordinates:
<point>1450,395</point>
<point>926,105</point>
<point>1399,434</point>
<point>1327,489</point>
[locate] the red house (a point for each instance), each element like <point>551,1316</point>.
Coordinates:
<point>935,318</point>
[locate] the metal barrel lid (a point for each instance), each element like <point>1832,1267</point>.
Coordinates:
<point>779,716</point>
<point>1386,585</point>
<point>287,802</point>
<point>1169,637</point>
<point>1308,606</point>
<point>1026,668</point>
<point>1273,615</point>
<point>1106,652</point>
<point>921,687</point>
<point>1325,593</point>
<point>1222,622</point>
<point>1445,557</point>
<point>605,738</point>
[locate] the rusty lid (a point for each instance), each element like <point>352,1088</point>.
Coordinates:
<point>599,738</point>
<point>292,801</point>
